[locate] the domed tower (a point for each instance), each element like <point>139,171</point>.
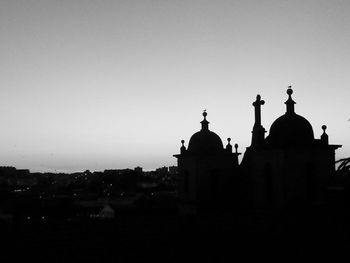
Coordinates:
<point>289,165</point>
<point>291,129</point>
<point>205,142</point>
<point>206,169</point>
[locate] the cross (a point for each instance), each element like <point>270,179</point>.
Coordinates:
<point>257,105</point>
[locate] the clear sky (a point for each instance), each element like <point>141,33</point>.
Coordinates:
<point>115,84</point>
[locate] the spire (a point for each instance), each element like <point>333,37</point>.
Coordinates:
<point>290,102</point>
<point>258,130</point>
<point>204,122</point>
<point>324,136</point>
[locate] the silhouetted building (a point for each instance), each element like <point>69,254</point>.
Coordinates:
<point>206,169</point>
<point>138,170</point>
<point>289,165</point>
<point>162,170</point>
<point>172,170</point>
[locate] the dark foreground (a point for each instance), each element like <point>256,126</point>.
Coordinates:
<point>298,233</point>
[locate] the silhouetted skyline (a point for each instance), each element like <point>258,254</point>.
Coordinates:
<point>116,84</point>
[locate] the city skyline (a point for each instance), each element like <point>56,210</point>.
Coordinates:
<point>118,84</point>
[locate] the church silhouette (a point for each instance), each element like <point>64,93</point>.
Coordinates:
<point>289,166</point>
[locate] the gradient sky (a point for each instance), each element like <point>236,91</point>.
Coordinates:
<point>116,84</point>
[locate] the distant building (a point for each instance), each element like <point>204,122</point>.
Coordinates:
<point>117,172</point>
<point>7,171</point>
<point>162,170</point>
<point>138,170</point>
<point>25,178</point>
<point>8,175</point>
<point>172,170</point>
<point>17,177</point>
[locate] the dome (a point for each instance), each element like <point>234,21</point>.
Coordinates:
<point>205,141</point>
<point>290,129</point>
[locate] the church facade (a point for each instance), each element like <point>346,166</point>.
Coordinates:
<point>287,166</point>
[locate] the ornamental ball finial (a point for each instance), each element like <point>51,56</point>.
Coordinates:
<point>324,127</point>
<point>289,90</point>
<point>205,113</point>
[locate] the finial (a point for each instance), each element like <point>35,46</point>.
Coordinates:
<point>205,123</point>
<point>183,148</point>
<point>290,102</point>
<point>205,114</point>
<point>236,147</point>
<point>229,146</point>
<point>324,136</point>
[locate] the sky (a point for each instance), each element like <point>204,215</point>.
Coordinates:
<point>115,84</point>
